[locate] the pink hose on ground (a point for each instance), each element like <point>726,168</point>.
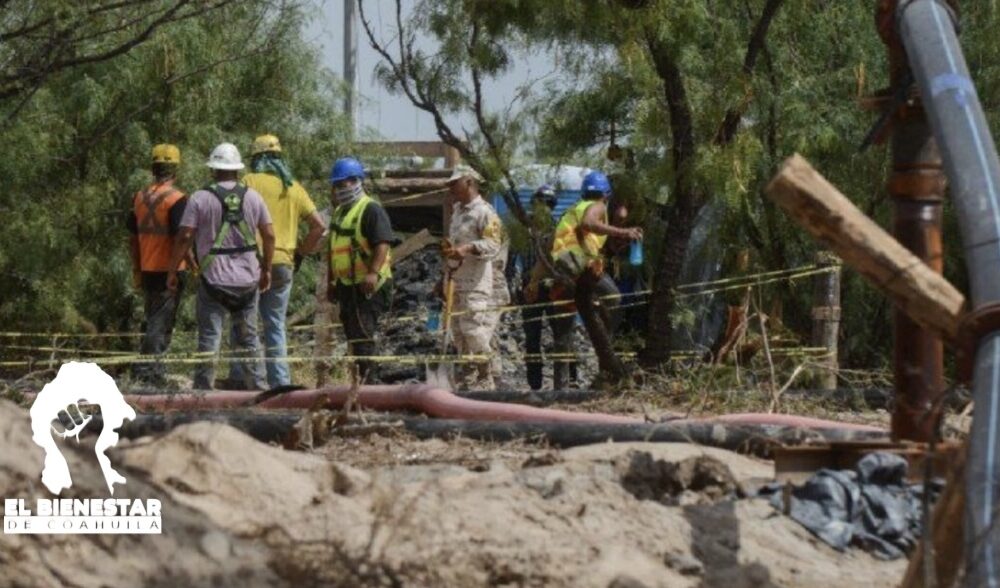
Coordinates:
<point>440,403</point>
<point>429,400</point>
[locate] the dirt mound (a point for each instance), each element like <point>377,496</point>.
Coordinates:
<point>426,514</point>
<point>192,551</point>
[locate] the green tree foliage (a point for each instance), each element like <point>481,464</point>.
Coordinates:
<point>78,144</point>
<point>803,96</point>
<point>707,98</point>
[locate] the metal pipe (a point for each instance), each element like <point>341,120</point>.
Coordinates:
<point>918,354</point>
<point>927,29</point>
<point>917,187</point>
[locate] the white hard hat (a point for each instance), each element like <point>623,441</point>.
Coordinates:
<point>225,156</point>
<point>462,171</point>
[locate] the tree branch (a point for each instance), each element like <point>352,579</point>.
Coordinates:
<point>46,61</point>
<point>412,86</point>
<point>758,42</point>
<point>510,194</point>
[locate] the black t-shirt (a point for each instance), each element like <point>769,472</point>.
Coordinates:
<point>375,225</point>
<point>174,215</point>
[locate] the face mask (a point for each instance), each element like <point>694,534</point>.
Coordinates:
<point>347,195</point>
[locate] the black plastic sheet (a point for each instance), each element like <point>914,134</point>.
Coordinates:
<point>872,506</point>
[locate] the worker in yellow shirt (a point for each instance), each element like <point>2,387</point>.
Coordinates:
<point>289,204</point>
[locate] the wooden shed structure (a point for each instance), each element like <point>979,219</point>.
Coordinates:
<point>415,199</point>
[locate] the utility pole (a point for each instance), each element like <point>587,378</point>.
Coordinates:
<point>351,63</point>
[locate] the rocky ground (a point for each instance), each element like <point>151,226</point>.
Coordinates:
<point>394,511</point>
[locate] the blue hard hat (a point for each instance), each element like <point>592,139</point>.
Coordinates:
<point>345,168</point>
<point>596,181</point>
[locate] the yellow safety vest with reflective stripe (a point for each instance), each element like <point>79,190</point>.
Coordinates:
<point>350,251</point>
<point>573,248</point>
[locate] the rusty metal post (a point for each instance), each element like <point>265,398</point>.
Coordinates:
<point>826,318</point>
<point>917,187</point>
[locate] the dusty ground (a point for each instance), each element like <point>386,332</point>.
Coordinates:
<point>393,511</point>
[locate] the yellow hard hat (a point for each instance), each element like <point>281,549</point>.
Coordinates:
<point>265,143</point>
<point>166,153</point>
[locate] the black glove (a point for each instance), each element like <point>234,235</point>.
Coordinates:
<point>298,260</point>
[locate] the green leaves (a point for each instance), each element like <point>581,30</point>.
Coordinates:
<point>79,148</point>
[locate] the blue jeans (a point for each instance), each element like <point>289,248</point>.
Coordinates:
<point>210,314</point>
<point>273,307</point>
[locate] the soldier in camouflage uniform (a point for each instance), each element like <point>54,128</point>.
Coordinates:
<point>475,240</point>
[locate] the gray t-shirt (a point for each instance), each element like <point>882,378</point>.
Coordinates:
<point>204,214</point>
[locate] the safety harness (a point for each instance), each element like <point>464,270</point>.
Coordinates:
<point>232,217</point>
<point>350,251</point>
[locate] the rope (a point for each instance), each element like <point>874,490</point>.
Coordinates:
<point>208,356</point>
<point>114,357</point>
<point>744,281</point>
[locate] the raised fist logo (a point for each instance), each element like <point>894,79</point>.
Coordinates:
<point>77,382</point>
<point>76,423</point>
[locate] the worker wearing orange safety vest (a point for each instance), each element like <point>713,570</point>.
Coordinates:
<point>153,223</point>
<point>577,251</point>
<point>360,277</point>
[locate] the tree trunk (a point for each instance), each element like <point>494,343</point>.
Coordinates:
<point>680,219</point>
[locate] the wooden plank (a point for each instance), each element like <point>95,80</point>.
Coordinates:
<point>409,184</point>
<point>427,199</point>
<point>412,245</point>
<point>421,148</point>
<point>796,464</point>
<point>831,218</point>
<point>442,174</point>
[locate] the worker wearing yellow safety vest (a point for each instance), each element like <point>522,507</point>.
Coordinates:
<point>154,222</point>
<point>577,251</point>
<point>360,278</point>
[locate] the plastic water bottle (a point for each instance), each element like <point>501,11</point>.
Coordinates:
<point>434,319</point>
<point>635,253</point>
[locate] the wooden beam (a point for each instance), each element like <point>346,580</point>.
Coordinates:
<point>412,245</point>
<point>442,174</point>
<point>831,218</point>
<point>421,148</point>
<point>428,199</point>
<point>411,184</point>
